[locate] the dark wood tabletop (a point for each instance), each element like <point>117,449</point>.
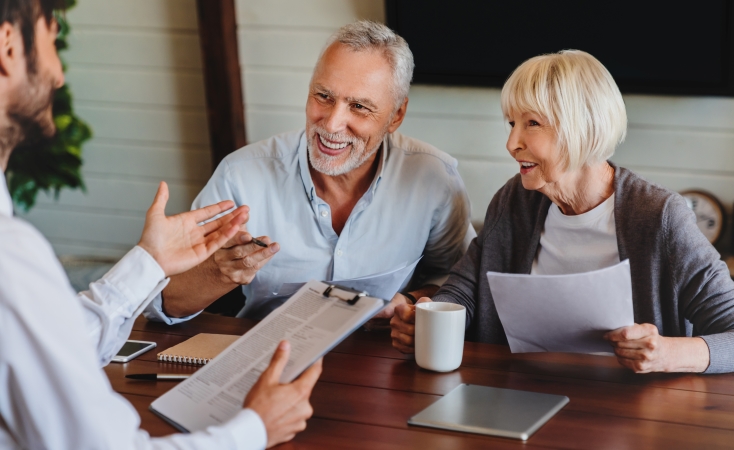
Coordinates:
<point>368,391</point>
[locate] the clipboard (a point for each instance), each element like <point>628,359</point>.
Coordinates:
<point>315,319</point>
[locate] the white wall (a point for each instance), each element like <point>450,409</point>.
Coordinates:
<point>135,73</point>
<point>680,142</point>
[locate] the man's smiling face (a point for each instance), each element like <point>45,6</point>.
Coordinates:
<point>349,110</point>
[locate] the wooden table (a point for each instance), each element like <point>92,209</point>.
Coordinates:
<point>368,391</point>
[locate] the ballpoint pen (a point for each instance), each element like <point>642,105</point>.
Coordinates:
<point>158,376</point>
<point>259,242</point>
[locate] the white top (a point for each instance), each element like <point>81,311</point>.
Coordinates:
<point>416,205</point>
<point>53,394</point>
<point>576,244</point>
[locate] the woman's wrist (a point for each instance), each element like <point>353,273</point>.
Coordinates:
<point>688,354</point>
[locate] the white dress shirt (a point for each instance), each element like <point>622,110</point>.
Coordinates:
<point>416,206</point>
<point>53,393</point>
<point>576,244</point>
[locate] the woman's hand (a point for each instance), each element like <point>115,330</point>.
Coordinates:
<point>403,326</point>
<point>641,348</point>
<point>178,243</point>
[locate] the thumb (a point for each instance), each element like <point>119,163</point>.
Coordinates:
<point>160,200</point>
<point>277,364</point>
<point>423,300</point>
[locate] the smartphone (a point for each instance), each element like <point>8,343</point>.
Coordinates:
<point>131,350</point>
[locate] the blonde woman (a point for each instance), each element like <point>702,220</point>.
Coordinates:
<point>570,210</point>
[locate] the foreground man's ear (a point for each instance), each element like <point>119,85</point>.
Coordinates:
<point>398,117</point>
<point>11,49</point>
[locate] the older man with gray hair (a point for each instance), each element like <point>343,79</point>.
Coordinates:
<point>348,197</point>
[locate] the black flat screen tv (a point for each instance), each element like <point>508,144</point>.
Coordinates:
<point>649,46</point>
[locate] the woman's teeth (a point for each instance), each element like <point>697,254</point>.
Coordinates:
<point>332,145</point>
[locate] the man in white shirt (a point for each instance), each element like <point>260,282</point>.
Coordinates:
<point>347,197</point>
<point>53,394</point>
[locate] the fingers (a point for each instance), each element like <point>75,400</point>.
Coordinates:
<point>647,343</point>
<point>632,332</point>
<point>403,328</point>
<point>250,256</point>
<point>633,354</point>
<point>207,212</point>
<point>160,200</point>
<point>214,241</point>
<point>308,378</point>
<point>242,213</point>
<point>405,313</point>
<point>636,366</point>
<point>277,363</point>
<point>403,339</point>
<point>242,237</point>
<point>403,348</point>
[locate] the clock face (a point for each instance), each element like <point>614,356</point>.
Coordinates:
<point>709,213</point>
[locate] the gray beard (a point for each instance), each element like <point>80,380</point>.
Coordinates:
<point>328,165</point>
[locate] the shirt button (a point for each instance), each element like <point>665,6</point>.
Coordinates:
<point>338,253</point>
<point>324,213</point>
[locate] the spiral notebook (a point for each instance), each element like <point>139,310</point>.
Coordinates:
<point>199,349</point>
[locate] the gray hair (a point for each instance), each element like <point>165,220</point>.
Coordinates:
<point>368,35</point>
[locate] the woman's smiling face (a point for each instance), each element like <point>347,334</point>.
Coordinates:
<point>533,142</point>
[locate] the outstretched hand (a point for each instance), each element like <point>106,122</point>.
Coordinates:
<point>177,242</point>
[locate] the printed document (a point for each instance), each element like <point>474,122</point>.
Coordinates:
<point>381,285</point>
<point>310,321</point>
<point>563,313</point>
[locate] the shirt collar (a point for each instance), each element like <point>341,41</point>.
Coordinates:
<point>6,203</point>
<point>303,166</point>
<point>306,173</point>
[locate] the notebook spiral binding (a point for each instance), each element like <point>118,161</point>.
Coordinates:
<point>183,359</point>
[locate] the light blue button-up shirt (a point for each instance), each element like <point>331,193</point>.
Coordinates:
<point>416,205</point>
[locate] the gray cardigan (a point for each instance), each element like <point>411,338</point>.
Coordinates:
<point>679,282</point>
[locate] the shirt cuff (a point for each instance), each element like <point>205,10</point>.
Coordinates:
<point>136,275</point>
<point>154,311</point>
<point>248,430</point>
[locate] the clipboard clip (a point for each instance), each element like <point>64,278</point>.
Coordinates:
<point>349,295</point>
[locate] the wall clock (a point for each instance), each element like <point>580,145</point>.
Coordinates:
<point>710,216</point>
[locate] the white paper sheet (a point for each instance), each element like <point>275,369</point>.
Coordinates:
<point>381,285</point>
<point>563,313</point>
<point>312,323</point>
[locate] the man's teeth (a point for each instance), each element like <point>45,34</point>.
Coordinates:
<point>332,145</point>
<point>527,164</point>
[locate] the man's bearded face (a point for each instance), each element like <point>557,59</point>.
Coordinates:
<point>29,111</point>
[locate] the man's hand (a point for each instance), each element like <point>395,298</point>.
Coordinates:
<point>389,310</point>
<point>399,299</point>
<point>639,347</point>
<point>241,258</point>
<point>283,408</point>
<point>403,327</point>
<point>178,243</point>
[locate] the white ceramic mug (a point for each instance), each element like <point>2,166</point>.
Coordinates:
<point>439,335</point>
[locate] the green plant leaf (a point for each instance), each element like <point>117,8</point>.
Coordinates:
<point>56,165</point>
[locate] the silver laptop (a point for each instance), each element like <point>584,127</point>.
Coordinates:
<point>486,410</point>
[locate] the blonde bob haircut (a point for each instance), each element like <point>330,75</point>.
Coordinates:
<point>579,98</point>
